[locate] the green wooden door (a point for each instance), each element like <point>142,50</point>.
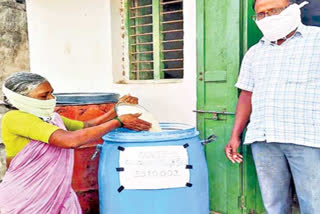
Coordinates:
<point>218,66</point>
<point>224,33</point>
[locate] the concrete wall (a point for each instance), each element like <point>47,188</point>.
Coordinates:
<point>78,45</point>
<point>2,162</point>
<point>14,53</point>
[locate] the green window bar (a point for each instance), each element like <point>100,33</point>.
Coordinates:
<point>155,32</point>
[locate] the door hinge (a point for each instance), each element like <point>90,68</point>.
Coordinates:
<point>242,202</point>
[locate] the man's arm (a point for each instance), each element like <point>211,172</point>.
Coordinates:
<point>243,112</point>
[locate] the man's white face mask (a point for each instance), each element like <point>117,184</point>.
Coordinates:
<point>279,26</point>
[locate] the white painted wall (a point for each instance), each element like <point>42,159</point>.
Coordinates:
<point>76,44</point>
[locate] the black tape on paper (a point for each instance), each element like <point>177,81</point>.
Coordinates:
<point>185,145</point>
<point>120,169</point>
<point>188,184</point>
<point>120,189</point>
<point>189,167</point>
<point>120,148</point>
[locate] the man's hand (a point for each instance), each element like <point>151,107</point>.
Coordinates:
<point>231,150</point>
<point>243,113</point>
<point>128,99</point>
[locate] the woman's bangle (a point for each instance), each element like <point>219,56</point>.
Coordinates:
<point>117,118</point>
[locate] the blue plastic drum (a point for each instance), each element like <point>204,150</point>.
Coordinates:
<point>156,165</point>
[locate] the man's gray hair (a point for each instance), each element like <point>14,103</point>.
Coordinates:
<point>254,3</point>
<point>22,83</point>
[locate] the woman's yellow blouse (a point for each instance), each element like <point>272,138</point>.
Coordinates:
<point>18,128</point>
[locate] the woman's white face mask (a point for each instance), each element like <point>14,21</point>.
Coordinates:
<point>40,108</point>
<point>279,26</point>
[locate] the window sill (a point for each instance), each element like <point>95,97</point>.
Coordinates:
<point>163,81</point>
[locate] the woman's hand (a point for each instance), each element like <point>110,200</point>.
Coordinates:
<point>132,121</point>
<point>231,150</point>
<point>128,99</point>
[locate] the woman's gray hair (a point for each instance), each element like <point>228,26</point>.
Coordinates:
<point>22,83</point>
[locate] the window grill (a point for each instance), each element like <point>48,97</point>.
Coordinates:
<point>155,30</point>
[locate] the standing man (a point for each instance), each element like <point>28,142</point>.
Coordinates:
<point>280,83</point>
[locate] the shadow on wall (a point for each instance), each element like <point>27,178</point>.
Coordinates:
<point>311,12</point>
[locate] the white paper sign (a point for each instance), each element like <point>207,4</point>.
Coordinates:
<point>154,167</point>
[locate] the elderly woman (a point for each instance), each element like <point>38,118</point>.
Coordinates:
<point>39,145</point>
